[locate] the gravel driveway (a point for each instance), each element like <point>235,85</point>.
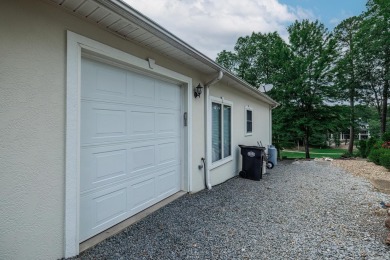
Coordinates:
<point>301,210</point>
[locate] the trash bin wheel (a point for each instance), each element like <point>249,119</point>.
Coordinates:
<point>242,174</point>
<point>270,165</point>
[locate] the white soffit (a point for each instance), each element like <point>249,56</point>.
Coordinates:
<point>124,21</point>
<point>102,15</point>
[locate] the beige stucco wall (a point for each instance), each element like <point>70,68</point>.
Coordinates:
<point>32,123</point>
<point>261,129</point>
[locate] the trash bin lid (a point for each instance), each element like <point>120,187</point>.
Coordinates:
<point>251,147</point>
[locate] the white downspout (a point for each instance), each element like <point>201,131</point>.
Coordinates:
<point>207,129</point>
<point>270,124</point>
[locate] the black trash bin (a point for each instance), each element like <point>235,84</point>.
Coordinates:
<point>252,162</point>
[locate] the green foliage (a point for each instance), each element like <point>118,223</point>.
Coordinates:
<point>380,153</point>
<point>370,145</point>
<point>362,147</point>
<point>374,49</point>
<point>256,58</point>
<point>227,59</point>
<point>347,155</point>
<point>377,145</point>
<point>384,158</point>
<point>287,144</point>
<point>375,155</point>
<point>318,140</point>
<point>386,137</point>
<point>337,141</point>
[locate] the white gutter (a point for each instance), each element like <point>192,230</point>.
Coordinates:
<point>207,129</point>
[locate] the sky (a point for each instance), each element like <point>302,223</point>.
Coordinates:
<point>211,26</point>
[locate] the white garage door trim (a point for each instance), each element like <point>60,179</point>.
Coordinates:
<point>76,46</point>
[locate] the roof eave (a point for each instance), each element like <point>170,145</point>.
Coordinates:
<point>126,11</point>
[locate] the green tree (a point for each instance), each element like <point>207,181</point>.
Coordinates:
<point>300,73</point>
<point>346,74</point>
<point>265,58</point>
<point>313,51</point>
<point>256,58</point>
<point>228,60</point>
<point>375,49</point>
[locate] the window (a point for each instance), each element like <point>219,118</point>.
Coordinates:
<point>248,119</point>
<point>221,130</point>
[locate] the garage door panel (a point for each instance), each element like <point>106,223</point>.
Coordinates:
<point>167,152</point>
<point>88,78</point>
<point>142,122</point>
<point>102,209</point>
<point>168,122</point>
<point>102,122</point>
<point>101,81</point>
<point>168,95</point>
<point>142,157</point>
<point>168,182</point>
<point>109,206</point>
<point>111,80</point>
<point>111,122</point>
<point>140,193</point>
<point>108,164</point>
<point>101,166</point>
<point>142,89</point>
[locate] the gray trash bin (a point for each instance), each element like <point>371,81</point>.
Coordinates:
<point>272,154</point>
<point>252,162</point>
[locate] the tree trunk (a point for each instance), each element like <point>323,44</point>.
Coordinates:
<point>351,139</point>
<point>385,91</point>
<point>384,105</point>
<point>352,121</point>
<point>306,141</point>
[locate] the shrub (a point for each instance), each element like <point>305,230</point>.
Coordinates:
<point>386,137</point>
<point>384,158</point>
<point>347,155</point>
<point>377,145</point>
<point>337,141</point>
<point>375,154</point>
<point>363,148</point>
<point>386,145</point>
<point>370,144</point>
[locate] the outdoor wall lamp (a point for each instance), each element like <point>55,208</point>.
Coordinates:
<point>198,91</point>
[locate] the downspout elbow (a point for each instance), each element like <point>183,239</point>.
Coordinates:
<point>214,80</point>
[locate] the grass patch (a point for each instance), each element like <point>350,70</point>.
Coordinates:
<point>314,153</point>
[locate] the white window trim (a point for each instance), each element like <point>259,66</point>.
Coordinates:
<point>76,45</point>
<point>248,108</point>
<point>222,101</point>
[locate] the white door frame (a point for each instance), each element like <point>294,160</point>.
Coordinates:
<point>76,45</point>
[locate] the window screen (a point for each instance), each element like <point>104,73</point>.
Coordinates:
<point>248,121</point>
<point>221,131</point>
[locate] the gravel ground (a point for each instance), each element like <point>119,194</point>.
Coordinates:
<point>301,210</point>
<point>363,168</point>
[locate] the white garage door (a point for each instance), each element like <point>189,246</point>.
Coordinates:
<point>130,144</point>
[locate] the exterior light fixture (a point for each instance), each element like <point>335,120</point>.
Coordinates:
<point>198,91</point>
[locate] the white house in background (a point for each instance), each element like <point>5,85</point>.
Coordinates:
<point>99,121</point>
